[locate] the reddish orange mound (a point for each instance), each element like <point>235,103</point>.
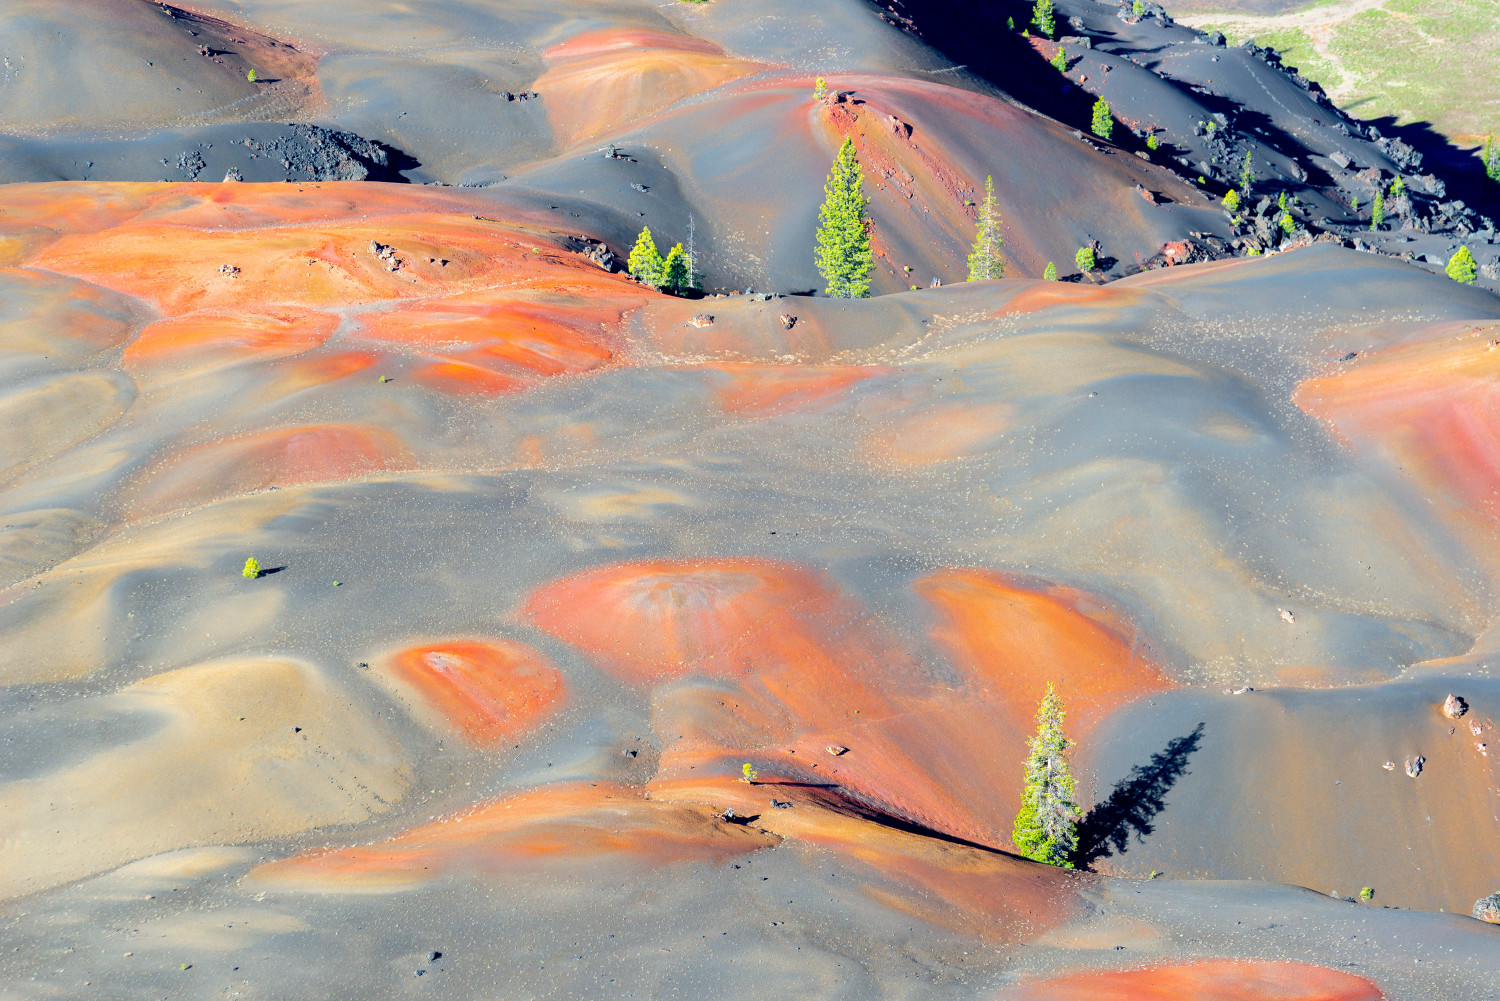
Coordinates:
<point>1215,980</point>
<point>1013,637</point>
<point>222,337</point>
<point>279,457</point>
<point>602,79</point>
<point>574,824</point>
<point>489,692</point>
<point>769,663</point>
<point>775,389</point>
<point>655,620</point>
<point>492,344</point>
<point>1433,408</point>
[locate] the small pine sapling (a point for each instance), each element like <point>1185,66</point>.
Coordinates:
<point>645,262</point>
<point>1085,259</point>
<point>1104,122</point>
<point>985,262</point>
<point>1060,60</point>
<point>819,89</point>
<point>1281,201</point>
<point>1152,143</point>
<point>1288,224</point>
<point>747,772</point>
<point>1138,8</point>
<point>1461,267</point>
<point>1046,828</point>
<point>1491,159</point>
<point>1368,893</point>
<point>1044,18</point>
<point>250,76</point>
<point>1377,211</point>
<point>1232,200</point>
<point>1247,175</point>
<point>1050,274</point>
<point>1010,24</point>
<point>252,569</point>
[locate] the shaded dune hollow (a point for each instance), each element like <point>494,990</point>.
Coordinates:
<point>767,662</point>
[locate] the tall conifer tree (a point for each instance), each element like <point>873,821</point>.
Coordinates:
<point>675,277</point>
<point>1043,17</point>
<point>1104,120</point>
<point>1461,267</point>
<point>985,262</point>
<point>843,253</point>
<point>1046,828</point>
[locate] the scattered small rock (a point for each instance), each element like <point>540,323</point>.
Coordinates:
<point>702,320</point>
<point>228,269</point>
<point>1414,766</point>
<point>1287,616</point>
<point>1485,909</point>
<point>836,749</point>
<point>233,174</point>
<point>1389,766</point>
<point>788,321</point>
<point>1454,707</point>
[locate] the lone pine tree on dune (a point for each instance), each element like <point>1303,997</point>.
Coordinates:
<point>985,262</point>
<point>843,253</point>
<point>1104,122</point>
<point>1046,828</point>
<point>1043,17</point>
<point>1461,267</point>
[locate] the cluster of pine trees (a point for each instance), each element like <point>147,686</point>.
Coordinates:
<point>673,273</point>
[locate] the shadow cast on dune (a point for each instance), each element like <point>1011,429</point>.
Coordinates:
<point>1135,802</point>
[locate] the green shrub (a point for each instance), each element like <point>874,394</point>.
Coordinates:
<point>1050,274</point>
<point>1232,200</point>
<point>252,568</point>
<point>1461,267</point>
<point>1085,259</point>
<point>1104,122</point>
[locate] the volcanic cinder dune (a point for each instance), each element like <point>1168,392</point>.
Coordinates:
<point>608,643</point>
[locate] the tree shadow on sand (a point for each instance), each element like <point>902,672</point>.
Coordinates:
<point>1135,802</point>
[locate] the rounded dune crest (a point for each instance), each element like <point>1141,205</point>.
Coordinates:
<point>1214,980</point>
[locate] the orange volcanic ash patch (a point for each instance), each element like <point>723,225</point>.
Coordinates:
<point>315,266</point>
<point>777,389</point>
<point>762,661</point>
<point>489,692</point>
<point>1434,408</point>
<point>938,433</point>
<point>1012,640</point>
<point>1216,980</point>
<point>569,825</point>
<point>656,620</point>
<point>602,79</point>
<point>280,457</point>
<point>217,337</point>
<point>493,344</point>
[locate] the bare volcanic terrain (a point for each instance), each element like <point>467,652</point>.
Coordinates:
<point>607,643</point>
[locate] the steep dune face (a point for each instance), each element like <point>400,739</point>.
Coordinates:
<point>488,692</point>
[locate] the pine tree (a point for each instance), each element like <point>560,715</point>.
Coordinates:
<point>695,277</point>
<point>1461,267</point>
<point>674,272</point>
<point>1104,122</point>
<point>645,261</point>
<point>1152,143</point>
<point>1247,175</point>
<point>1232,200</point>
<point>985,262</point>
<point>1084,259</point>
<point>1043,17</point>
<point>252,568</point>
<point>1046,828</point>
<point>1050,275</point>
<point>1491,158</point>
<point>843,253</point>
<point>1377,211</point>
<point>1060,60</point>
